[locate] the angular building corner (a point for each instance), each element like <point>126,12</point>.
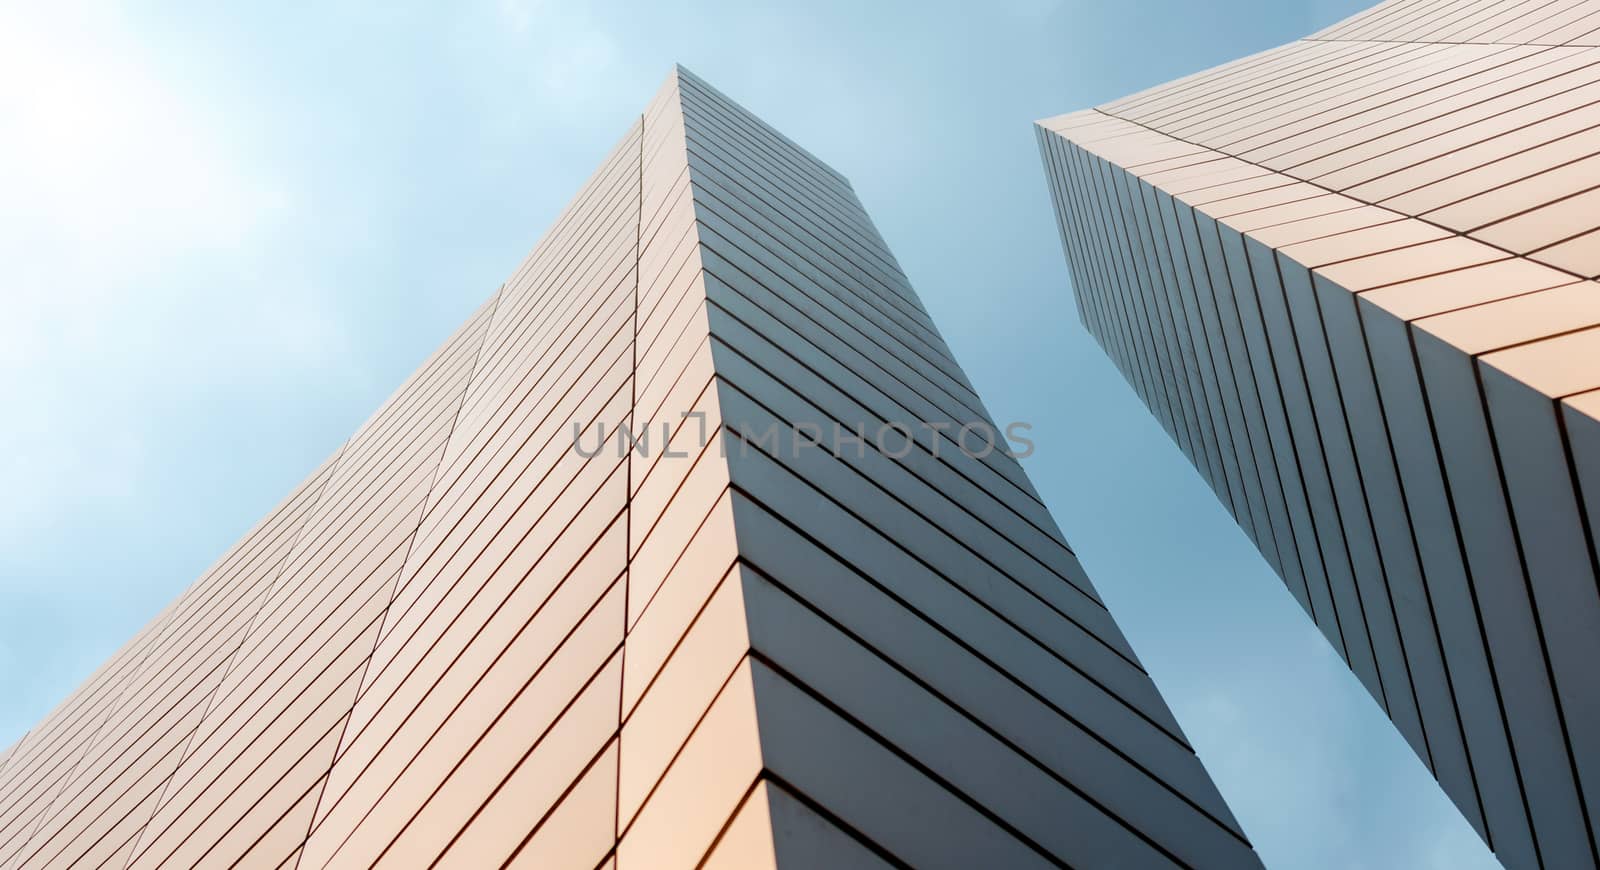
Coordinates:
<point>483,634</point>
<point>1353,277</point>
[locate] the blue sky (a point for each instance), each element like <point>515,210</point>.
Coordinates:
<point>228,235</point>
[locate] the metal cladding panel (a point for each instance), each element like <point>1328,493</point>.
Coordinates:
<point>1355,278</point>
<point>594,590</point>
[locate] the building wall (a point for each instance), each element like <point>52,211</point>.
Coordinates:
<point>1353,279</point>
<point>489,633</point>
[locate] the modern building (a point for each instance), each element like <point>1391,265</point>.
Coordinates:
<point>1354,279</point>
<point>686,550</point>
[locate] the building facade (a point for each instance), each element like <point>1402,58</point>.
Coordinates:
<point>681,552</point>
<point>1354,279</point>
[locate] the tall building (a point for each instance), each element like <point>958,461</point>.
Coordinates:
<point>687,549</point>
<point>1353,277</point>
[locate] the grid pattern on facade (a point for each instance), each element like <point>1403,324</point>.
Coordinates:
<point>484,634</point>
<point>1354,279</point>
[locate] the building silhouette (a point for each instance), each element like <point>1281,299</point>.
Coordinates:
<point>1354,279</point>
<point>687,549</point>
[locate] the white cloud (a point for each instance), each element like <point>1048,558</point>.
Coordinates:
<point>99,150</point>
<point>127,217</point>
